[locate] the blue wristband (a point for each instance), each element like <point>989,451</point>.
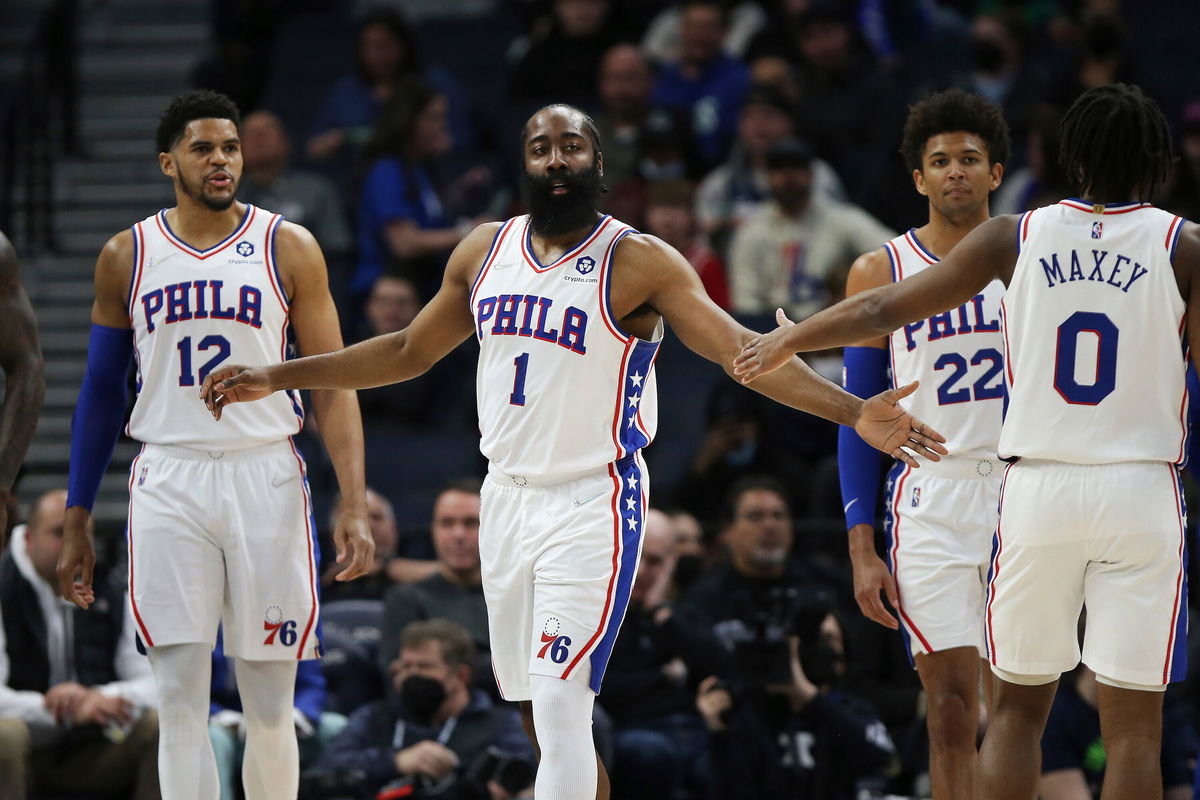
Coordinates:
<point>96,424</point>
<point>864,375</point>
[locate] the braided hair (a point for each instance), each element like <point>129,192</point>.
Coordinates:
<point>1115,145</point>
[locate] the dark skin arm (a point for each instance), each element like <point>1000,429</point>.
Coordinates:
<point>652,274</point>
<point>438,328</point>
<point>650,279</point>
<point>78,557</point>
<point>1187,274</point>
<point>25,383</point>
<point>987,252</point>
<point>315,320</point>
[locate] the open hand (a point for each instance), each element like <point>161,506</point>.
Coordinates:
<point>871,576</point>
<point>766,352</point>
<point>233,384</point>
<point>885,425</point>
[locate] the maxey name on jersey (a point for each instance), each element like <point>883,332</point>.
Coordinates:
<point>1119,271</point>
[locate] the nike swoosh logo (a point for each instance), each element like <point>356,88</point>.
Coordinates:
<point>579,501</point>
<point>847,508</point>
<point>503,266</point>
<point>276,482</point>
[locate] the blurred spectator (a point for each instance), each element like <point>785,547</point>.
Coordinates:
<point>793,731</point>
<point>761,579</point>
<point>785,254</point>
<point>400,214</point>
<point>691,551</point>
<point>1073,758</point>
<point>705,82</point>
<point>669,217</point>
<point>849,109</point>
<point>656,664</point>
<point>242,32</point>
<point>451,586</point>
<point>432,400</point>
<point>387,55</point>
<point>737,188</point>
<point>375,583</point>
<point>436,732</point>
<point>302,197</point>
<point>563,54</point>
<point>736,444</point>
<point>77,700</point>
<point>315,727</point>
<point>1104,59</point>
<point>1183,195</point>
<point>663,39</point>
<point>625,85</point>
<point>1042,181</point>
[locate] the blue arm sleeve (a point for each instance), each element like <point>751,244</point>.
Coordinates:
<point>99,412</point>
<point>865,374</point>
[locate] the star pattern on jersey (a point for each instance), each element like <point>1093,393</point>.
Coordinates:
<point>632,523</point>
<point>636,378</point>
<point>630,503</point>
<point>634,399</point>
<point>632,481</point>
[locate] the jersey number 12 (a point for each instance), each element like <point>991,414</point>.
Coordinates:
<point>186,378</point>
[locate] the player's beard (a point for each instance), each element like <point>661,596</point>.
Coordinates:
<point>558,214</point>
<point>214,203</point>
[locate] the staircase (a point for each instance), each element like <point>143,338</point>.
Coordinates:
<point>134,56</point>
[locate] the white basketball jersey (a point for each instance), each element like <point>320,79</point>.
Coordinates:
<point>1094,324</point>
<point>562,390</point>
<point>194,310</point>
<point>958,356</point>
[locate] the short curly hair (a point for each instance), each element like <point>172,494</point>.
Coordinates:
<point>954,110</point>
<point>189,106</point>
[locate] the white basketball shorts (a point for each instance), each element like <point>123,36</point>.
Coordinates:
<point>224,538</point>
<point>940,520</point>
<point>1106,536</point>
<point>558,564</point>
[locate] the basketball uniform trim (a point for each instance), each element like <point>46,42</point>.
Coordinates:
<point>910,236</point>
<point>309,534</point>
<point>627,539</point>
<point>1177,636</point>
<point>531,258</point>
<point>243,226</point>
<point>493,251</point>
<point>1106,208</point>
<point>889,247</point>
<point>894,558</point>
<point>1008,359</point>
<point>272,263</point>
<point>129,548</point>
<point>993,571</point>
<point>629,433</point>
<point>135,277</point>
<point>606,312</point>
<point>1173,237</point>
<point>1023,229</point>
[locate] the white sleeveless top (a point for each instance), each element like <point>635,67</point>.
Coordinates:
<point>958,356</point>
<point>562,390</point>
<point>1097,350</point>
<point>193,310</point>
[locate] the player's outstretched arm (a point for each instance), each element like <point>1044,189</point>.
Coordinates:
<point>99,413</point>
<point>24,379</point>
<point>1187,273</point>
<point>656,272</point>
<point>314,318</point>
<point>987,252</point>
<point>439,327</point>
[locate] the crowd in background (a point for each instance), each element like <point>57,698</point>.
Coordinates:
<point>760,139</point>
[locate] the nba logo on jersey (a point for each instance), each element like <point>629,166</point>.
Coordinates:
<point>585,264</point>
<point>916,496</point>
<point>1097,230</point>
<point>245,249</point>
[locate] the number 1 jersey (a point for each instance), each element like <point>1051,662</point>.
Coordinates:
<point>562,390</point>
<point>1094,326</point>
<point>958,356</point>
<point>195,310</point>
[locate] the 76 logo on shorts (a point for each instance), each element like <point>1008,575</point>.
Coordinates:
<point>275,625</point>
<point>559,646</point>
